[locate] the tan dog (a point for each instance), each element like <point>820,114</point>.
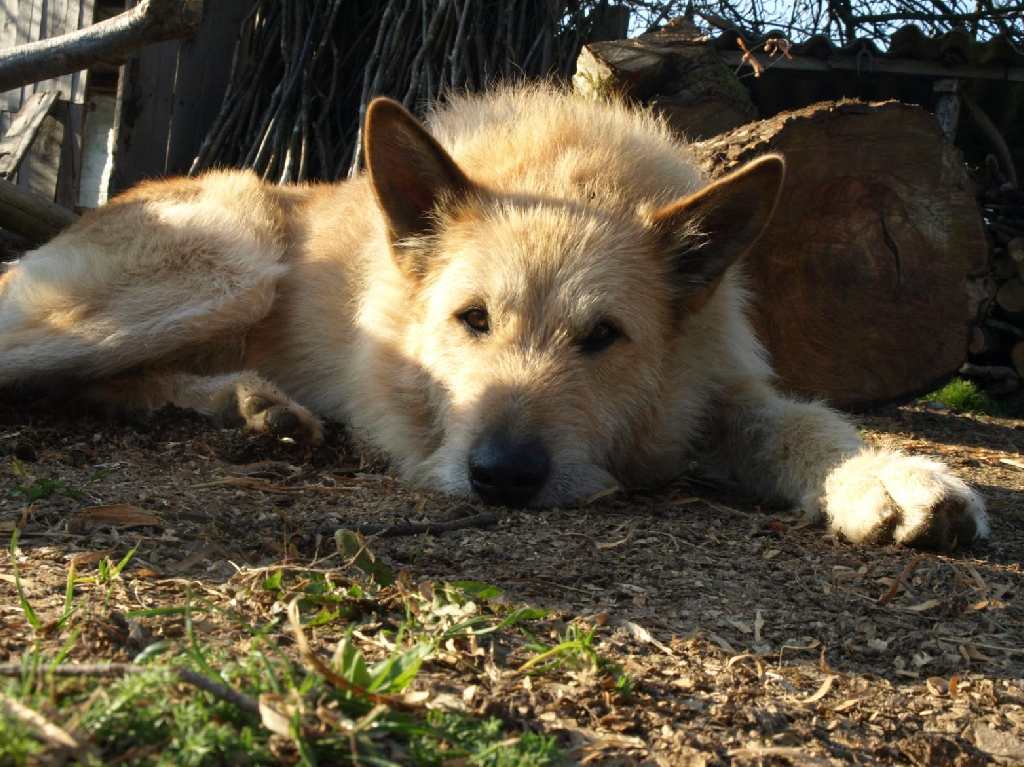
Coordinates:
<point>535,302</point>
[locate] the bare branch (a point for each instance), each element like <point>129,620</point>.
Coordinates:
<point>112,40</point>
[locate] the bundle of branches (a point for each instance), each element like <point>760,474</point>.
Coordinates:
<point>304,71</point>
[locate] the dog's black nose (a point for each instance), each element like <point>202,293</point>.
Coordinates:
<point>506,471</point>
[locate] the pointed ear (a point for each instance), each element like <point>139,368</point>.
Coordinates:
<point>713,228</point>
<point>409,171</point>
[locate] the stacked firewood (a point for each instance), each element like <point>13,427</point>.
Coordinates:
<point>996,346</point>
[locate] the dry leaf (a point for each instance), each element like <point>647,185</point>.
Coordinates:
<point>826,686</point>
<point>722,643</point>
<point>118,515</point>
<point>276,714</point>
<point>1012,462</point>
<point>615,544</point>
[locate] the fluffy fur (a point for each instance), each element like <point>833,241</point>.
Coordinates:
<point>557,217</point>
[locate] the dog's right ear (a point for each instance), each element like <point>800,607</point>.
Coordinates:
<point>709,231</point>
<point>410,172</point>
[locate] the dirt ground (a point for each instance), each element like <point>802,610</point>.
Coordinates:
<point>751,639</point>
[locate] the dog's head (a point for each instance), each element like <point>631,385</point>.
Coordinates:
<point>545,327</point>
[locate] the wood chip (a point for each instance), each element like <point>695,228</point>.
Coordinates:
<point>921,607</point>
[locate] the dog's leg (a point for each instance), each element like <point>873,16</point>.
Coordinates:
<point>807,454</point>
<point>243,398</point>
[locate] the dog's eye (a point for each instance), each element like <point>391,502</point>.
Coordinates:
<point>476,320</point>
<point>600,338</point>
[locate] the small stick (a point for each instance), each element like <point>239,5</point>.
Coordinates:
<point>482,520</point>
<point>216,689</point>
<point>901,579</point>
<point>50,732</point>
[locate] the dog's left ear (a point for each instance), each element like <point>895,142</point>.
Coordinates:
<point>712,229</point>
<point>409,171</point>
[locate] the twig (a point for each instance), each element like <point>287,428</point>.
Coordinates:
<point>216,689</point>
<point>51,733</point>
<point>314,663</point>
<point>901,579</point>
<point>482,520</point>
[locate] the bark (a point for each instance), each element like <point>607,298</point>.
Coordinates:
<point>861,279</point>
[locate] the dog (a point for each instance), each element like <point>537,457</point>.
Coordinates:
<point>533,299</point>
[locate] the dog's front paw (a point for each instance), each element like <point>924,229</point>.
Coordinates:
<point>881,496</point>
<point>267,413</point>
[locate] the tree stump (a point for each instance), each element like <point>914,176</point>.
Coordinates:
<point>861,280</point>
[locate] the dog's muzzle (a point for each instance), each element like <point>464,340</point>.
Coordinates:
<point>506,471</point>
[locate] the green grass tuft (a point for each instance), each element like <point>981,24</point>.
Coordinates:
<point>963,396</point>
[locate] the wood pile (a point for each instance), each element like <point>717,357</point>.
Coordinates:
<point>996,345</point>
<point>875,279</point>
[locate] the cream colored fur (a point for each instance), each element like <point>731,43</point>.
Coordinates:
<point>201,291</point>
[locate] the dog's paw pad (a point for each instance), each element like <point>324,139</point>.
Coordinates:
<point>281,419</point>
<point>886,497</point>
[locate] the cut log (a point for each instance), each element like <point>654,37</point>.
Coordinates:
<point>32,217</point>
<point>696,91</point>
<point>983,342</point>
<point>860,281</point>
<point>1017,357</point>
<point>1015,253</point>
<point>1010,301</point>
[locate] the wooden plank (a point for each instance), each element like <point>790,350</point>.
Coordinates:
<point>61,17</point>
<point>887,66</point>
<point>22,132</point>
<point>41,167</point>
<point>203,68</point>
<point>10,101</point>
<point>99,124</point>
<point>145,109</point>
<point>26,30</point>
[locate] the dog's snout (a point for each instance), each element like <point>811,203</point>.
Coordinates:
<point>508,472</point>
